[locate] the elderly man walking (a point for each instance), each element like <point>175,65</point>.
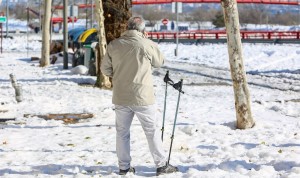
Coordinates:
<point>129,61</point>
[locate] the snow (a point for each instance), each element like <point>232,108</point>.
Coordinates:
<point>206,142</point>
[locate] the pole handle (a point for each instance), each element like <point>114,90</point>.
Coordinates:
<point>167,79</point>
<point>178,86</point>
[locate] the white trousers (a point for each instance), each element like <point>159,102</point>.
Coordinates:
<point>147,118</point>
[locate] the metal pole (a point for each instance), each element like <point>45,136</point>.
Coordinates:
<point>164,116</point>
<point>27,27</point>
<point>165,106</point>
<point>65,31</point>
<point>86,16</point>
<point>267,18</point>
<point>299,14</point>
<point>40,17</point>
<point>92,25</point>
<point>176,9</point>
<point>1,37</point>
<point>7,15</point>
<point>72,9</point>
<point>172,137</point>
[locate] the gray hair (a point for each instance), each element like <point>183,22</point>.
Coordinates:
<point>136,23</point>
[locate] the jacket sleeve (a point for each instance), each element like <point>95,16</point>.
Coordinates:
<point>156,57</point>
<point>106,64</point>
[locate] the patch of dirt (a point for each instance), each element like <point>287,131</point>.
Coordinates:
<point>68,118</point>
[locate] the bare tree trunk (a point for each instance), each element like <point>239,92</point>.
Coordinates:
<point>116,13</point>
<point>102,80</point>
<point>45,61</point>
<point>241,92</point>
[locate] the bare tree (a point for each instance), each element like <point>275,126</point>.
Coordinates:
<point>204,14</point>
<point>238,75</point>
<point>45,61</point>
<point>287,18</point>
<point>253,13</point>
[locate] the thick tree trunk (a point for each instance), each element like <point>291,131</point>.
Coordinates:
<point>45,56</point>
<point>116,15</point>
<point>102,80</point>
<point>241,92</point>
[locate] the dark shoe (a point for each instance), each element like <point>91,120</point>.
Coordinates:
<point>124,172</point>
<point>166,169</point>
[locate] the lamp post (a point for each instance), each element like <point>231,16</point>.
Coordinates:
<point>92,23</point>
<point>299,13</point>
<point>65,30</point>
<point>176,10</point>
<point>72,12</point>
<point>86,16</point>
<point>40,16</point>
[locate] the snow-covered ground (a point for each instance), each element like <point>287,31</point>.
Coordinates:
<point>206,143</point>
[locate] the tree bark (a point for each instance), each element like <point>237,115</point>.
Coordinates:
<point>45,56</point>
<point>238,75</point>
<point>102,80</point>
<point>114,14</point>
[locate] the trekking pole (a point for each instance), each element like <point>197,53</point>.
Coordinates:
<point>167,80</point>
<point>177,86</point>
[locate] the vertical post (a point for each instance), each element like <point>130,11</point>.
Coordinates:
<point>45,61</point>
<point>1,36</point>
<point>86,15</point>
<point>51,22</point>
<point>267,17</point>
<point>40,16</point>
<point>51,30</point>
<point>7,15</point>
<point>238,74</point>
<point>17,87</point>
<point>72,12</point>
<point>65,31</point>
<point>299,16</point>
<point>92,23</point>
<point>27,34</point>
<point>176,10</point>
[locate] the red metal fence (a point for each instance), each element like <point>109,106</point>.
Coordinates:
<point>283,2</point>
<point>264,35</point>
<point>140,2</point>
